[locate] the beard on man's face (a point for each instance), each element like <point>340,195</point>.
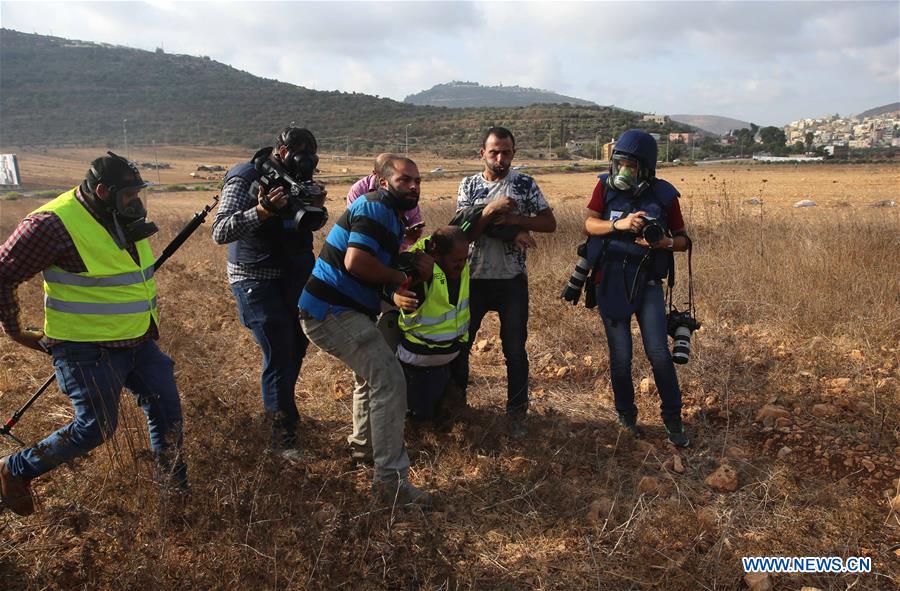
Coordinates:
<point>499,168</point>
<point>406,199</point>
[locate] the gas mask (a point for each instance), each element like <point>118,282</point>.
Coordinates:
<point>301,165</point>
<point>123,201</point>
<point>627,174</point>
<point>130,216</point>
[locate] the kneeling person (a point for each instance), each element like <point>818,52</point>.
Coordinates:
<point>434,321</point>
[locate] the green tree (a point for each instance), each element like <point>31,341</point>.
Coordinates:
<point>809,137</point>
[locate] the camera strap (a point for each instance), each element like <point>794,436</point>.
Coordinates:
<point>671,282</point>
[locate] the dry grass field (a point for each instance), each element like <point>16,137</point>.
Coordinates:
<point>801,311</point>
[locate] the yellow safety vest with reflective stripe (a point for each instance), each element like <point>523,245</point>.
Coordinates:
<point>115,299</point>
<point>436,323</point>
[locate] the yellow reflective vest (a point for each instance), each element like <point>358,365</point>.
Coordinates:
<point>438,324</point>
<point>115,299</point>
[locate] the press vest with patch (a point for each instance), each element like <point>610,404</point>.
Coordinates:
<point>619,261</point>
<point>114,299</point>
<point>275,242</point>
<point>437,326</point>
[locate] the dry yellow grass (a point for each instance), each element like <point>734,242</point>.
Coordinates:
<point>791,300</point>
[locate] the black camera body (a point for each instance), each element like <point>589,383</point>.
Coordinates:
<point>302,195</point>
<point>680,325</point>
<point>652,231</point>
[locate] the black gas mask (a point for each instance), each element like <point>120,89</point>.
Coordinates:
<point>123,202</point>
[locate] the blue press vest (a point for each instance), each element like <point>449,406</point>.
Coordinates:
<point>275,243</point>
<point>618,260</point>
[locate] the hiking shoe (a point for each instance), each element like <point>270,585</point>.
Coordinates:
<point>401,492</point>
<point>15,492</point>
<point>360,456</point>
<point>676,433</point>
<point>629,423</point>
<point>516,426</point>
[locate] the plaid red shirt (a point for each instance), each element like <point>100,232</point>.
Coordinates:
<point>39,241</point>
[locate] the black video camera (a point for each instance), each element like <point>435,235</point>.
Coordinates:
<point>680,325</point>
<point>302,196</point>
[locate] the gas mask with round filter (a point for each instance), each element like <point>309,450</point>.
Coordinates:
<point>124,202</point>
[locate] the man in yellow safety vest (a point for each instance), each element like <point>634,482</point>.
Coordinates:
<point>434,321</point>
<point>100,322</point>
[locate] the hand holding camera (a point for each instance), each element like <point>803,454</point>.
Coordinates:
<point>501,206</point>
<point>270,203</point>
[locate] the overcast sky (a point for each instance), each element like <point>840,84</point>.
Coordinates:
<point>766,62</point>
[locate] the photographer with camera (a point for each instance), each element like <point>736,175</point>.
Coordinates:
<point>269,208</point>
<point>355,269</point>
<point>635,223</point>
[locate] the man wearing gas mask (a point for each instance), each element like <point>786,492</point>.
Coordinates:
<point>635,223</point>
<point>100,322</point>
<point>268,211</point>
<point>354,271</point>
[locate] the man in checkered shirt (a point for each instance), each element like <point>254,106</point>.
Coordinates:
<point>269,261</point>
<point>100,323</point>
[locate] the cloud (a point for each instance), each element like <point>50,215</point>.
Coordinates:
<point>759,60</point>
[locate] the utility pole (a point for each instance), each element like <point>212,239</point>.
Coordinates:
<point>667,148</point>
<point>407,139</point>
<point>597,146</point>
<point>693,142</point>
<point>125,136</point>
<point>348,146</point>
<point>156,155</point>
<point>550,143</point>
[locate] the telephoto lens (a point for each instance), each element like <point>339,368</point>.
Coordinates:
<point>681,349</point>
<point>574,286</point>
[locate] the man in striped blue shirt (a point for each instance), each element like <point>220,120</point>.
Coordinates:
<point>338,309</point>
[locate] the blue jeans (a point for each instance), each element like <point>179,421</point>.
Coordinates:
<point>651,317</point>
<point>509,298</point>
<point>92,377</point>
<point>268,307</point>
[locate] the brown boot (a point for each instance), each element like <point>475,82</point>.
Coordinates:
<point>15,492</point>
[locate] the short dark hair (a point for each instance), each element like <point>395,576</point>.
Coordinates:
<point>443,240</point>
<point>501,133</point>
<point>390,165</point>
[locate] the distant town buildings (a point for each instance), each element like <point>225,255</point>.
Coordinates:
<point>660,119</point>
<point>851,132</point>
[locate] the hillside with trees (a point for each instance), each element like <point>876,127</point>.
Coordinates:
<point>459,94</point>
<point>56,91</point>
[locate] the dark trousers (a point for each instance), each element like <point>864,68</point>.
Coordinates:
<point>268,307</point>
<point>651,317</point>
<point>509,298</point>
<point>425,390</point>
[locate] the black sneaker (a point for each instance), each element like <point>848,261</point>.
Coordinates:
<point>516,424</point>
<point>629,423</point>
<point>676,434</point>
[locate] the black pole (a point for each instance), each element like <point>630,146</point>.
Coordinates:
<point>168,251</point>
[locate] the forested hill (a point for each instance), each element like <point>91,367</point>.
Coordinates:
<point>471,94</point>
<point>58,91</point>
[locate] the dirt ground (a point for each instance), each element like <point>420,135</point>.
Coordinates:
<point>801,312</point>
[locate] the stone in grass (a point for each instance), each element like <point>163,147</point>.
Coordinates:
<point>805,203</point>
<point>724,479</point>
<point>758,581</point>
